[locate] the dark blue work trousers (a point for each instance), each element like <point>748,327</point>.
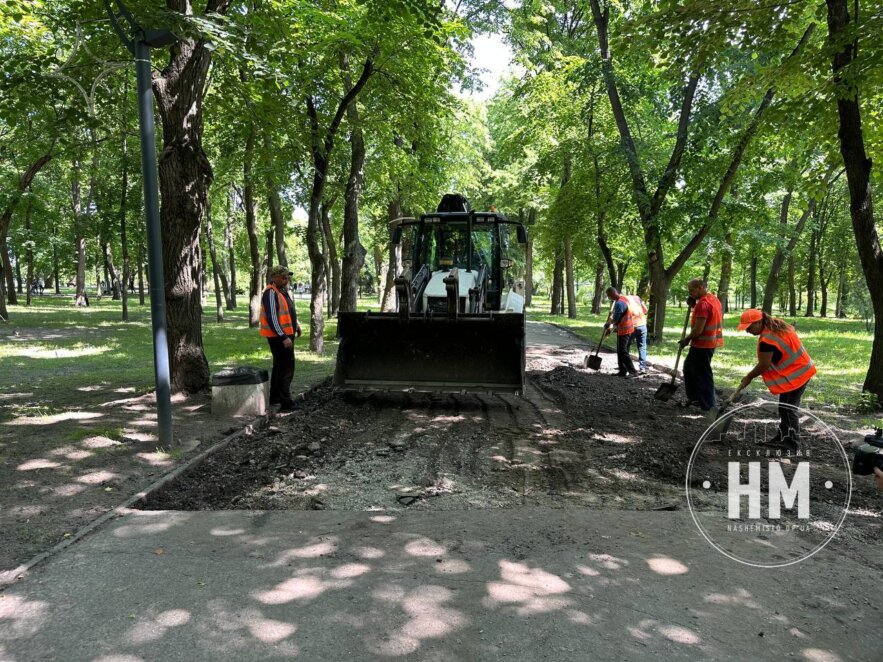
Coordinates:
<point>640,337</point>
<point>698,378</point>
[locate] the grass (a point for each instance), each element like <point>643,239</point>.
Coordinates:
<point>63,350</point>
<point>840,348</point>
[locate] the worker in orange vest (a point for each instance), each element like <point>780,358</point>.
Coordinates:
<point>706,334</point>
<point>623,320</point>
<point>279,326</point>
<point>786,369</point>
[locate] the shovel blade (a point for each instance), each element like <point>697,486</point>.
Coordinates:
<point>665,391</point>
<point>593,362</point>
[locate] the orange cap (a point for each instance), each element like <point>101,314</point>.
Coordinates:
<point>749,317</point>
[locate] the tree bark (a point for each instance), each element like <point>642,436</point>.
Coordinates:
<point>251,224</point>
<point>185,175</point>
<point>858,175</point>
<point>332,259</point>
<point>140,273</point>
<point>29,251</point>
<point>353,251</point>
<point>379,269</point>
<point>229,247</point>
<point>599,286</point>
<point>394,266</point>
<point>723,288</point>
<point>124,198</point>
<point>568,268</point>
<point>528,264</point>
<point>792,294</point>
<point>274,204</point>
<point>557,283</point>
<point>811,275</point>
<point>216,275</point>
<point>322,146</point>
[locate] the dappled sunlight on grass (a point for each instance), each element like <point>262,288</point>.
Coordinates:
<point>52,419</point>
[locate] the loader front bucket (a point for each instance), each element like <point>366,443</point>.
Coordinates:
<point>474,352</point>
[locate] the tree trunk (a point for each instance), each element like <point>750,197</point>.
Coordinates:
<point>557,283</point>
<point>379,269</point>
<point>858,175</point>
<point>124,197</point>
<point>140,273</point>
<point>274,204</point>
<point>353,251</point>
<point>4,313</point>
<point>599,288</point>
<point>723,288</point>
<point>111,270</point>
<point>228,244</point>
<point>332,260</point>
<point>322,147</point>
<point>216,275</point>
<point>251,224</point>
<point>811,275</point>
<point>528,264</point>
<point>571,289</point>
<point>792,294</point>
<point>55,275</point>
<point>753,278</point>
<point>29,251</point>
<point>394,267</point>
<point>184,179</point>
<point>24,183</point>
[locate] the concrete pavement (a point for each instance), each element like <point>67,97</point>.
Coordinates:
<point>532,584</point>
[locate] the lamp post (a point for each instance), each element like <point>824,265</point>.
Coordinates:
<point>139,45</point>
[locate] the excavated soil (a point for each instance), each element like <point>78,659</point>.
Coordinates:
<point>577,437</point>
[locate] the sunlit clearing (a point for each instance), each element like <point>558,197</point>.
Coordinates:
<point>97,477</point>
<point>452,567</point>
<point>382,519</point>
<point>350,570</point>
<point>297,588</point>
<point>40,463</point>
<point>55,418</point>
<point>151,629</point>
<point>624,475</point>
<point>270,631</point>
<point>33,352</point>
<point>221,531</point>
<point>156,459</point>
<point>368,552</point>
<point>819,655</point>
<point>425,547</point>
<point>99,442</point>
<point>664,565</point>
<point>609,562</point>
<point>679,634</point>
<point>619,438</point>
<point>586,570</point>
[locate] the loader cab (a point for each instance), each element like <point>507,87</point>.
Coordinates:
<point>485,247</point>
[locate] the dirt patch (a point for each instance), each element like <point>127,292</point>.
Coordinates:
<point>576,438</point>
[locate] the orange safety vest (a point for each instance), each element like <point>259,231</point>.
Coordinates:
<point>283,313</point>
<point>793,370</point>
<point>626,324</point>
<point>713,333</point>
<point>638,311</point>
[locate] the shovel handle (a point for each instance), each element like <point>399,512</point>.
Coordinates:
<point>681,349</point>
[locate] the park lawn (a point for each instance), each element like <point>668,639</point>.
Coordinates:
<point>840,348</point>
<point>61,350</point>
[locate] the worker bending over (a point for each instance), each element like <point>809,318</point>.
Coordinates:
<point>627,314</point>
<point>786,369</point>
<point>706,334</point>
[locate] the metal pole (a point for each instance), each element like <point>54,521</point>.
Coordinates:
<point>154,244</point>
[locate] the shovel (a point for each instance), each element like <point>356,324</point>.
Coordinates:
<point>593,361</point>
<point>666,391</point>
<point>725,426</point>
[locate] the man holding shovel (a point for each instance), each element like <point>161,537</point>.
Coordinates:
<point>622,317</point>
<point>706,334</point>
